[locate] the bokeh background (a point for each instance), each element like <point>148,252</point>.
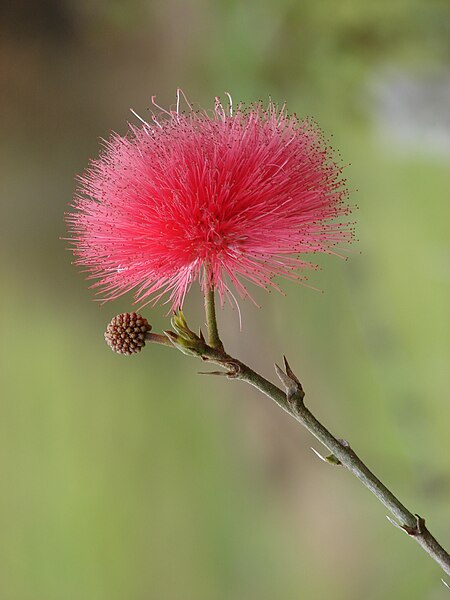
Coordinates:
<point>136,478</point>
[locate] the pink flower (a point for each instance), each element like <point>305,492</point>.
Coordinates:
<point>223,197</point>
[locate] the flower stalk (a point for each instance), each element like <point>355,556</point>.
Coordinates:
<point>158,338</point>
<point>211,320</point>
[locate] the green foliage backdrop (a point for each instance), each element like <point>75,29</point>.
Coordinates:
<point>136,479</point>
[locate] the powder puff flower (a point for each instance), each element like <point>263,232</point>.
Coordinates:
<point>223,197</point>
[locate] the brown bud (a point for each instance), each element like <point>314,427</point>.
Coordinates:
<point>126,333</point>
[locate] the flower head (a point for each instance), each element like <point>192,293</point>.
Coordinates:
<point>224,197</point>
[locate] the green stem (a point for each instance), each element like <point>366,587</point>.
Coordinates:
<point>157,338</point>
<point>211,320</point>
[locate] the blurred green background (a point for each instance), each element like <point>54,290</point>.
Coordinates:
<point>138,479</point>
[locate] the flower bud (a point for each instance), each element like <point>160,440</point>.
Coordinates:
<point>126,332</point>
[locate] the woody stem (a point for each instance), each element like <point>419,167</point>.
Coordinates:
<point>411,523</point>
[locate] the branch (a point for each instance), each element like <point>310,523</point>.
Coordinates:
<point>291,400</point>
<point>293,404</point>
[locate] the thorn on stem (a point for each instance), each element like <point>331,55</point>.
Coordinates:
<point>394,523</point>
<point>232,370</point>
<point>318,454</point>
<point>285,380</point>
<point>219,373</point>
<point>331,459</point>
<point>291,383</point>
<point>290,373</point>
<point>418,529</point>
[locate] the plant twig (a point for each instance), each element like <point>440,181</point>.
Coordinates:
<point>291,401</point>
<point>409,522</point>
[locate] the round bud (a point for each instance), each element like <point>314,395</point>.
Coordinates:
<point>126,333</point>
